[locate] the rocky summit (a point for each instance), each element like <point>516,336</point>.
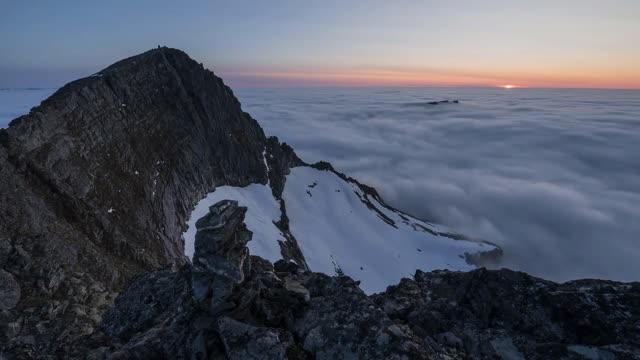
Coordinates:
<point>97,185</point>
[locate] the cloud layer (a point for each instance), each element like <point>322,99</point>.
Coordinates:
<point>553,176</point>
<point>17,102</point>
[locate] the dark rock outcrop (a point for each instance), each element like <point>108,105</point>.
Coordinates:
<point>9,291</point>
<point>508,314</point>
<point>150,320</point>
<point>221,256</point>
<point>432,103</point>
<point>280,159</point>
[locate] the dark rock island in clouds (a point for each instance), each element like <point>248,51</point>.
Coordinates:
<point>99,182</point>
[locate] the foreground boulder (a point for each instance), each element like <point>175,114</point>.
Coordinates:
<point>221,253</point>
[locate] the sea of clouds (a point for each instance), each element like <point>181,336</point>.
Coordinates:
<point>17,102</point>
<point>552,176</point>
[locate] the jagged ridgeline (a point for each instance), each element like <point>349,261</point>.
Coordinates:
<point>120,179</point>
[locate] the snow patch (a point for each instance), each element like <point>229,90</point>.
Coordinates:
<point>264,158</point>
<point>262,211</point>
<point>339,233</point>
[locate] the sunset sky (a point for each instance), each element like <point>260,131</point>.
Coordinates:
<point>591,44</point>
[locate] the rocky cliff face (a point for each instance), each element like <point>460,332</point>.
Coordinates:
<point>98,183</point>
<point>130,150</point>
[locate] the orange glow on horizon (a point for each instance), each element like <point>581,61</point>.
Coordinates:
<point>577,78</point>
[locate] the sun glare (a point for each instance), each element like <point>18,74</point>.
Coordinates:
<point>508,86</point>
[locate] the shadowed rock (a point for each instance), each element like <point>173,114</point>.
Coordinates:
<point>506,313</point>
<point>221,253</point>
<point>263,344</point>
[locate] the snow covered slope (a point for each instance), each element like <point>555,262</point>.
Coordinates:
<point>342,228</point>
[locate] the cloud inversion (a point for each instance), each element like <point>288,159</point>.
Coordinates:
<point>552,176</point>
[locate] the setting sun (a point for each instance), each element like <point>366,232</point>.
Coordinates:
<point>508,86</point>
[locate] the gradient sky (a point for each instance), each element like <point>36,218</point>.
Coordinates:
<point>584,43</point>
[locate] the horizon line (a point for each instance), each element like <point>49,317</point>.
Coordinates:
<point>499,87</point>
<point>299,86</point>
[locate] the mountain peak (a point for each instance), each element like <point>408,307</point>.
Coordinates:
<point>131,149</point>
<point>156,58</point>
<point>156,54</point>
